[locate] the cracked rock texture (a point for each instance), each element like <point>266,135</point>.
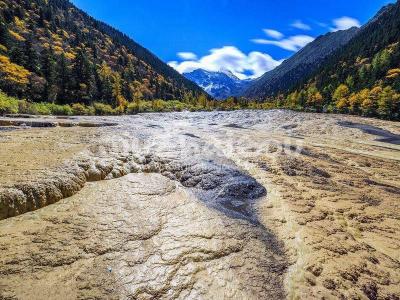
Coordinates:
<point>140,237</point>
<point>235,205</point>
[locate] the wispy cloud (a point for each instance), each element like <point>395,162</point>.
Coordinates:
<point>293,43</point>
<point>300,25</point>
<point>187,55</point>
<point>321,24</point>
<point>275,34</point>
<point>230,58</point>
<point>344,23</point>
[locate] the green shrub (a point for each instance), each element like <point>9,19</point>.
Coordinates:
<point>59,110</point>
<point>8,105</point>
<point>139,107</point>
<point>24,107</point>
<point>101,109</point>
<point>79,109</point>
<point>39,109</point>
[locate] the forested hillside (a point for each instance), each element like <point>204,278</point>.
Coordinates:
<point>299,66</point>
<point>51,51</point>
<point>363,77</point>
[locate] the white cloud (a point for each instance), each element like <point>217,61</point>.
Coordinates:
<point>232,59</point>
<point>274,33</point>
<point>187,55</point>
<point>293,43</point>
<point>300,25</point>
<point>344,23</point>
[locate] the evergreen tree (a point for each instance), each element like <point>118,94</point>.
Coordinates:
<point>31,56</point>
<point>49,72</point>
<point>63,77</point>
<point>17,54</point>
<point>5,38</point>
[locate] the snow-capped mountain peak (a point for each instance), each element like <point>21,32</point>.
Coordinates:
<point>220,85</point>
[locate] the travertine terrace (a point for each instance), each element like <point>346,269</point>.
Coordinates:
<point>220,205</point>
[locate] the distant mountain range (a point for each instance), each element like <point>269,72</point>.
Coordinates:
<point>220,85</point>
<point>224,84</point>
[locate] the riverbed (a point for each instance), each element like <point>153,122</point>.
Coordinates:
<point>217,205</point>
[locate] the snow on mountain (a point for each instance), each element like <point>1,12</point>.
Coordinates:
<point>220,85</point>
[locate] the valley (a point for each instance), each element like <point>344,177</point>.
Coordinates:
<point>199,150</point>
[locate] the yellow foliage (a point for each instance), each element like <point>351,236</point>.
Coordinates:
<point>109,41</point>
<point>3,48</point>
<point>341,95</point>
<point>354,101</point>
<point>367,104</point>
<point>55,37</point>
<point>17,36</point>
<point>19,23</point>
<point>121,102</point>
<point>58,50</point>
<point>13,73</point>
<point>393,73</point>
<point>342,103</point>
<point>105,71</point>
<point>317,98</point>
<point>376,91</point>
<point>65,34</point>
<point>70,55</point>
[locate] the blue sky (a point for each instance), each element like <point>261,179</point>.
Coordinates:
<point>243,36</point>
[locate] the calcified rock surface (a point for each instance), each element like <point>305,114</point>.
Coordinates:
<point>240,205</point>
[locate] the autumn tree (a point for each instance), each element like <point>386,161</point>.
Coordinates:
<point>13,78</point>
<point>120,101</point>
<point>202,100</point>
<point>388,103</point>
<point>340,96</point>
<point>369,105</point>
<point>314,98</point>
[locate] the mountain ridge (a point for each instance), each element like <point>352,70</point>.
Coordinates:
<point>221,84</point>
<point>300,65</point>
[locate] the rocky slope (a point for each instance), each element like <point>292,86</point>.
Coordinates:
<point>300,66</point>
<point>238,205</point>
<point>220,85</point>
